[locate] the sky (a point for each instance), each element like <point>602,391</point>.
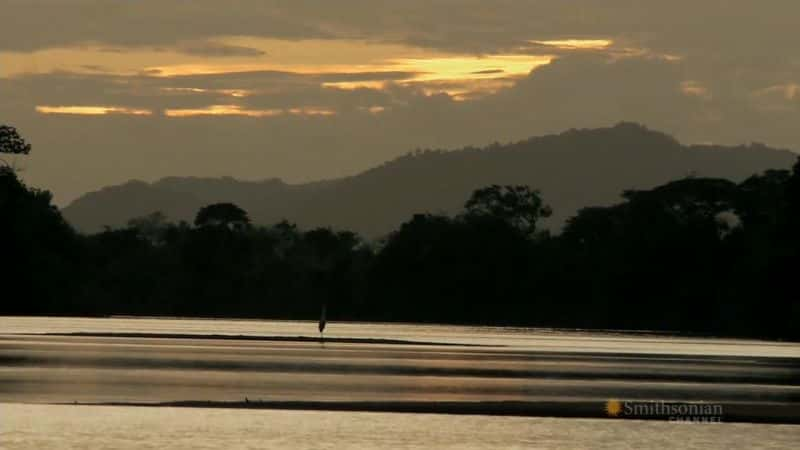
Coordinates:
<point>112,90</point>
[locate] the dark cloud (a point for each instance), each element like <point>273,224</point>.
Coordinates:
<point>730,27</point>
<point>36,24</point>
<point>486,72</point>
<point>216,50</point>
<point>266,89</point>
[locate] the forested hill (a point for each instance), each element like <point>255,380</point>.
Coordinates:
<point>573,169</point>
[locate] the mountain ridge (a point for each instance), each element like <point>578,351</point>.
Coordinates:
<point>572,169</point>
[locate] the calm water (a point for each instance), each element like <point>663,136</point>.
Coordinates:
<point>38,427</point>
<point>510,364</point>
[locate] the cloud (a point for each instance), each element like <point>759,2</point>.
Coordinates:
<point>357,64</point>
<point>62,23</point>
<point>788,91</point>
<point>738,29</point>
<point>92,110</point>
<point>576,44</point>
<point>314,89</point>
<point>222,110</point>
<point>695,88</point>
<point>213,49</point>
<point>236,110</point>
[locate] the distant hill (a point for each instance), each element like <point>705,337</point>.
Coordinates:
<point>573,169</point>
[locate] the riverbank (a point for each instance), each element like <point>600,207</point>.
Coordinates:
<point>685,412</point>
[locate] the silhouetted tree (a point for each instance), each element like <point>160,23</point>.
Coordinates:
<point>152,227</point>
<point>519,206</point>
<point>329,259</point>
<point>40,254</point>
<point>222,214</point>
<point>12,143</point>
<point>793,196</point>
<point>761,199</point>
<point>457,270</point>
<point>781,309</point>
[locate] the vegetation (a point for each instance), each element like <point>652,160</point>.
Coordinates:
<point>222,214</point>
<point>694,255</point>
<point>11,143</point>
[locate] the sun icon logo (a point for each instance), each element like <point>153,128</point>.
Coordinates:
<point>613,408</point>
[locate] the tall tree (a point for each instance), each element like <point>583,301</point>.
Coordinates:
<point>152,227</point>
<point>12,143</point>
<point>793,194</point>
<point>222,214</point>
<point>519,206</point>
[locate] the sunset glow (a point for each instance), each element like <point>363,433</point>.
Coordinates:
<point>345,65</point>
<point>222,110</point>
<point>312,111</point>
<point>238,93</point>
<point>353,85</point>
<point>581,44</point>
<point>235,110</point>
<point>471,68</point>
<point>695,89</point>
<point>92,110</point>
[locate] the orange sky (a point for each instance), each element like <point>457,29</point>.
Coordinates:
<point>460,75</point>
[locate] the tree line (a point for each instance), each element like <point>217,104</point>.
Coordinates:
<point>696,255</point>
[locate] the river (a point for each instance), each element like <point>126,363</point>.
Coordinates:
<point>55,386</point>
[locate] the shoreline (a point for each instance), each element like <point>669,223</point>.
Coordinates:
<point>763,413</point>
<point>656,333</point>
<point>244,337</point>
<point>788,361</point>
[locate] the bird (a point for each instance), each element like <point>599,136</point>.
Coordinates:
<point>322,322</point>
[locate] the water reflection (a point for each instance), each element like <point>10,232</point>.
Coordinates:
<point>34,427</point>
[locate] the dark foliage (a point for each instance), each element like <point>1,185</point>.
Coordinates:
<point>11,142</point>
<point>519,206</point>
<point>695,255</point>
<point>222,214</point>
<point>40,255</point>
